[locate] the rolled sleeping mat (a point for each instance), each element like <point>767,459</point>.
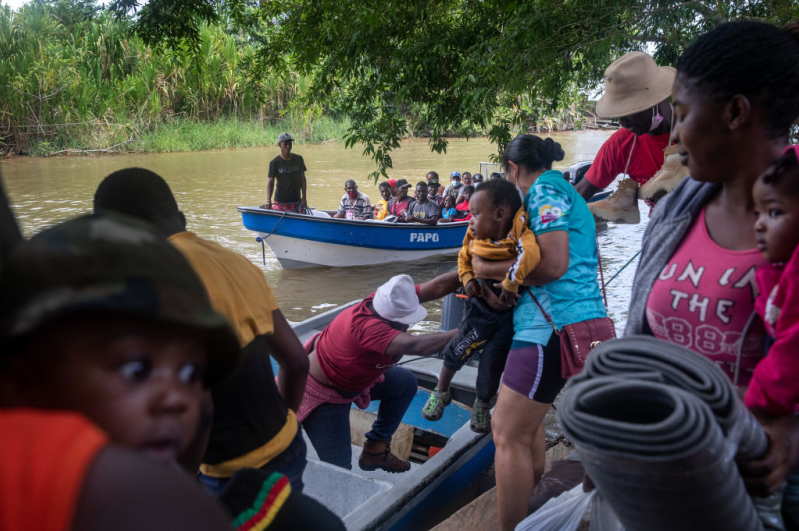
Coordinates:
<point>657,454</point>
<point>656,360</point>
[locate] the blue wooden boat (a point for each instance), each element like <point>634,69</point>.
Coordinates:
<point>377,500</point>
<point>300,240</point>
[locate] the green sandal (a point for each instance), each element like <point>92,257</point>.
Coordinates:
<point>481,417</point>
<point>434,408</point>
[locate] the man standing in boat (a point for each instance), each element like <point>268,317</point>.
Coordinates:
<point>288,169</point>
<point>637,92</point>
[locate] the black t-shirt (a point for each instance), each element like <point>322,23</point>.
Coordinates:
<point>288,174</point>
<point>248,408</point>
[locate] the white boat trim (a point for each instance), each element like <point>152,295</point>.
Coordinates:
<point>294,254</point>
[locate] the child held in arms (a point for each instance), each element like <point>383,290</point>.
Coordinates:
<point>773,388</point>
<point>497,231</point>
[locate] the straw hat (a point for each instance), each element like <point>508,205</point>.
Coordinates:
<point>633,83</point>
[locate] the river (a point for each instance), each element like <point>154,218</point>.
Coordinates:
<point>210,185</point>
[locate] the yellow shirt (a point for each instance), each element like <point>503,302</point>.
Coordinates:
<point>236,287</point>
<point>380,209</point>
<point>519,244</point>
<point>238,291</point>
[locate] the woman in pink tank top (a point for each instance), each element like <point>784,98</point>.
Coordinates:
<point>734,100</point>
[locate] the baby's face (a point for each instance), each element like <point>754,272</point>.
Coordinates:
<point>139,380</point>
<point>777,223</point>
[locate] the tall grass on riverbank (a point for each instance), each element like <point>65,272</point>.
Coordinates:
<point>226,133</point>
<point>94,86</point>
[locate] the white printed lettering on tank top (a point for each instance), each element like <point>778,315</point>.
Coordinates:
<point>704,298</point>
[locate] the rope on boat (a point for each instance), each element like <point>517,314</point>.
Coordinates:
<point>630,261</point>
<point>261,240</point>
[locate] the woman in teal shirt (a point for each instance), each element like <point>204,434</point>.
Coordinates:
<point>565,284</point>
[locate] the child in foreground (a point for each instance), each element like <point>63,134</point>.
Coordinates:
<point>773,388</point>
<point>497,231</point>
<point>102,316</point>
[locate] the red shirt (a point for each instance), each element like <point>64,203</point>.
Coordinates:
<point>352,349</point>
<point>704,298</point>
<point>465,213</point>
<point>646,161</point>
<point>774,386</point>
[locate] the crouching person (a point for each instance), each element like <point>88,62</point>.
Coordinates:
<point>354,360</point>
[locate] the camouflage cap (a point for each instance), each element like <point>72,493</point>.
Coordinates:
<point>113,263</point>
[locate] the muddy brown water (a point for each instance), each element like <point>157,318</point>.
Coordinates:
<point>210,185</point>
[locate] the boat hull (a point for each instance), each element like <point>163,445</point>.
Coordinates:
<point>294,254</point>
<point>306,241</point>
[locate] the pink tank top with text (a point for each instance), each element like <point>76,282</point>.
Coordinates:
<point>703,300</point>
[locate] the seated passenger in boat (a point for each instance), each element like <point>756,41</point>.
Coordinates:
<point>433,187</point>
<point>497,231</point>
<point>355,360</point>
<point>462,208</point>
<point>380,210</point>
<point>455,185</point>
<point>254,424</point>
<point>448,212</point>
<point>400,205</point>
<point>354,204</point>
<point>422,210</point>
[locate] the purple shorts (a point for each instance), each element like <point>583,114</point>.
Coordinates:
<point>533,370</point>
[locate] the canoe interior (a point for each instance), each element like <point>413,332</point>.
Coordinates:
<point>382,501</point>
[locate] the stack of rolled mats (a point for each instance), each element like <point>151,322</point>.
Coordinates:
<point>659,429</point>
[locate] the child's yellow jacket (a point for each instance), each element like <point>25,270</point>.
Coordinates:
<point>519,244</point>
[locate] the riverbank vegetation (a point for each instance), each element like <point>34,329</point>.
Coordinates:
<point>80,80</point>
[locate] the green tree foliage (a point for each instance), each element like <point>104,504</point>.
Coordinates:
<point>93,83</point>
<point>70,12</point>
<point>452,65</point>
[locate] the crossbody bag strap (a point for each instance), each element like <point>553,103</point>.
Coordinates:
<point>601,273</point>
<point>546,315</point>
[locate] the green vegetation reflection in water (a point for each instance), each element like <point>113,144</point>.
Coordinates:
<point>94,84</point>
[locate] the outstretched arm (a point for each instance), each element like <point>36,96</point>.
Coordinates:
<point>554,262</point>
<point>421,345</point>
<point>586,189</point>
<point>439,287</point>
